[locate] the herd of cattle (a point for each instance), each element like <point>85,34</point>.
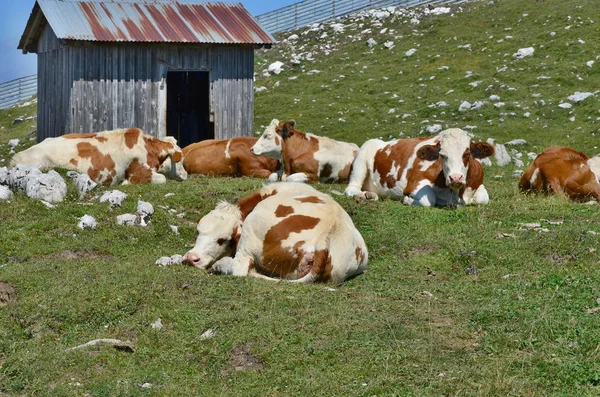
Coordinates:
<point>288,229</point>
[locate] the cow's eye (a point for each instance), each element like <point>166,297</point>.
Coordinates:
<point>466,155</point>
<point>221,241</point>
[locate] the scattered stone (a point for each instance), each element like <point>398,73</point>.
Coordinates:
<point>175,229</point>
<point>410,52</point>
<point>275,67</point>
<point>5,193</point>
<point>87,222</point>
<point>579,96</point>
<point>208,334</point>
<point>565,105</point>
<point>516,142</point>
<point>371,43</point>
<point>389,45</point>
<point>48,205</point>
<point>517,173</point>
<point>128,220</point>
<point>114,197</point>
<point>145,385</point>
<point>169,260</point>
<point>157,325</point>
<point>505,235</point>
<point>501,155</point>
<point>464,106</point>
<point>116,343</point>
<point>13,143</point>
<point>524,52</point>
<point>18,120</point>
<point>50,187</point>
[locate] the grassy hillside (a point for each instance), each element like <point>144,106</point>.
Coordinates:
<point>472,301</point>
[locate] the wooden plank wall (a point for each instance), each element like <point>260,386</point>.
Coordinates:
<point>86,87</point>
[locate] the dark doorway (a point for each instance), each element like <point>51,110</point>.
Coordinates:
<point>188,118</point>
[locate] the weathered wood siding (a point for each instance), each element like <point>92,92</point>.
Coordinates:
<point>89,87</point>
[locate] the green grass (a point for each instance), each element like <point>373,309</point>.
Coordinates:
<point>447,307</point>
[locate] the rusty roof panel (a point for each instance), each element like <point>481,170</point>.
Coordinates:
<point>170,21</point>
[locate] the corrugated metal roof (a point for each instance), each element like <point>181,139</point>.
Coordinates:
<point>168,21</point>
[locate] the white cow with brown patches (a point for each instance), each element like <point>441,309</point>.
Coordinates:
<point>283,231</point>
<point>306,157</point>
<point>431,171</point>
<point>109,157</point>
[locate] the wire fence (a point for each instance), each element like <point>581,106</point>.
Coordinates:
<point>308,12</point>
<point>295,16</point>
<point>18,90</point>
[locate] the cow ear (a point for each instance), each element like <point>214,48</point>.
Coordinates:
<point>288,129</point>
<point>481,150</point>
<point>177,156</point>
<point>429,152</point>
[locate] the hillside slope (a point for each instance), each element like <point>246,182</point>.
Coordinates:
<point>350,90</point>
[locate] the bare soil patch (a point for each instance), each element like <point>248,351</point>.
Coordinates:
<point>241,359</point>
<point>7,293</point>
<point>79,254</point>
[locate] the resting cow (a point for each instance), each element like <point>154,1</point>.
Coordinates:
<point>440,170</point>
<point>230,157</point>
<point>284,230</point>
<point>109,157</point>
<point>562,169</point>
<point>306,157</point>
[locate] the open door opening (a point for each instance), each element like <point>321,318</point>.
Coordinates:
<point>188,118</point>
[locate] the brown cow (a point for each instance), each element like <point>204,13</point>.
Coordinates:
<point>230,157</point>
<point>306,157</point>
<point>562,169</point>
<point>109,157</point>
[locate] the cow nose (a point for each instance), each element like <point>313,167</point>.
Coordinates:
<point>251,150</point>
<point>191,259</point>
<point>457,179</point>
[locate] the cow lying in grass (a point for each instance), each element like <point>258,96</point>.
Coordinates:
<point>109,157</point>
<point>562,169</point>
<point>230,157</point>
<point>441,170</point>
<point>284,230</point>
<point>306,157</point>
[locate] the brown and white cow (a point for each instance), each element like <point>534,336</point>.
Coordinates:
<point>562,169</point>
<point>306,157</point>
<point>284,230</point>
<point>230,157</point>
<point>109,157</point>
<point>434,171</point>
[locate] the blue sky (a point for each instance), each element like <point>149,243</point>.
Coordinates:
<point>14,16</point>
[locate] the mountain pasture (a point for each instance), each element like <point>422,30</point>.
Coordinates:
<point>492,300</point>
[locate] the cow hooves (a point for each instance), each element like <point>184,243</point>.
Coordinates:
<point>371,196</point>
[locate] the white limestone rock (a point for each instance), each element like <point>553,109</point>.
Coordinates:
<point>169,260</point>
<point>501,155</point>
<point>87,222</point>
<point>524,52</point>
<point>5,193</point>
<point>113,197</point>
<point>275,67</point>
<point>50,187</point>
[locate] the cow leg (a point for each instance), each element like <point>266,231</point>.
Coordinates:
<point>299,177</point>
<point>158,178</point>
<point>424,196</point>
<point>481,195</point>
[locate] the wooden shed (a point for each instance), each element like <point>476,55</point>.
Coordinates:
<point>171,67</point>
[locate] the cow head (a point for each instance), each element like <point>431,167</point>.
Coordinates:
<point>171,158</point>
<point>269,143</point>
<point>455,149</point>
<point>218,233</point>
